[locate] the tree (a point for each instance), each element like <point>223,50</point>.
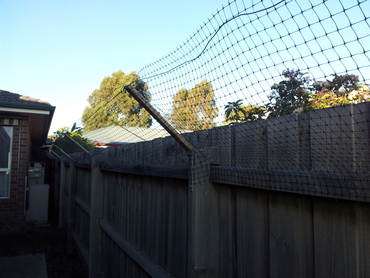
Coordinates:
<point>340,84</point>
<point>344,84</point>
<point>296,94</point>
<point>343,89</point>
<point>290,94</point>
<point>112,105</point>
<point>67,145</point>
<point>236,112</point>
<point>195,109</point>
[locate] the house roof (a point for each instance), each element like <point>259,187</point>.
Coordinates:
<point>16,100</point>
<point>116,135</point>
<point>40,113</point>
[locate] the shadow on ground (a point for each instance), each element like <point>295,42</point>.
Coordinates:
<point>19,238</point>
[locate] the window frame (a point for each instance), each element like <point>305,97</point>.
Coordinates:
<point>8,169</point>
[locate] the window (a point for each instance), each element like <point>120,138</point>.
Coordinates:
<point>6,135</point>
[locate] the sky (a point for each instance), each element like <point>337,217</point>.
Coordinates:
<point>60,51</point>
<point>246,55</point>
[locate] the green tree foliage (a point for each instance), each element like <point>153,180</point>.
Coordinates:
<point>111,105</point>
<point>340,84</point>
<point>236,112</point>
<point>66,144</point>
<point>343,89</point>
<point>195,109</point>
<point>290,94</point>
<point>295,94</point>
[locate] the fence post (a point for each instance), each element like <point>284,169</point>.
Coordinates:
<point>61,194</point>
<point>203,215</point>
<point>71,221</point>
<point>96,213</point>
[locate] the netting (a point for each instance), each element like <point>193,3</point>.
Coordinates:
<point>264,85</point>
<point>268,107</point>
<point>243,49</point>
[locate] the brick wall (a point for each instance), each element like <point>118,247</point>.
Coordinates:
<point>20,159</point>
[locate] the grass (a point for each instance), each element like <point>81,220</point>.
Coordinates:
<point>21,238</point>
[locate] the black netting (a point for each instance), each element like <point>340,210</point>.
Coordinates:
<point>275,92</point>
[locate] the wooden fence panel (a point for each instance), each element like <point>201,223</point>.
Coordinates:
<point>84,185</point>
<point>203,213</point>
<point>250,144</point>
<point>252,233</point>
<point>335,130</point>
<point>361,137</point>
<point>227,231</point>
<point>342,240</point>
<point>151,214</point>
<point>55,186</point>
<point>83,208</point>
<point>283,135</point>
<point>64,188</point>
<point>239,213</point>
<point>117,263</point>
<point>291,236</point>
<point>221,138</point>
<point>83,227</point>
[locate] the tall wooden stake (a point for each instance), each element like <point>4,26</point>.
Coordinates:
<point>140,99</point>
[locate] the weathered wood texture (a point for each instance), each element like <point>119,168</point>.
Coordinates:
<point>203,223</point>
<point>272,234</point>
<point>341,238</point>
<point>151,214</point>
<point>286,197</point>
<point>83,211</point>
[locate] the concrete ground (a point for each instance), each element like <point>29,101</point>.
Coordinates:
<point>27,266</point>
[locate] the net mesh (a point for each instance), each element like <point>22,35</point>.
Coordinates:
<point>263,85</point>
<point>243,50</point>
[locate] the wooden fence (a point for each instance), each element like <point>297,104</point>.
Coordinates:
<point>287,197</point>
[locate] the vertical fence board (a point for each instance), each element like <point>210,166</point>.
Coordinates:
<point>170,231</point>
<point>158,218</point>
<point>250,148</point>
<point>63,177</point>
<point>283,134</point>
<point>200,139</point>
<point>227,231</point>
<point>361,136</point>
<point>337,129</point>
<point>204,221</point>
<point>341,239</point>
<point>291,236</point>
<point>252,233</point>
<point>96,234</point>
<point>71,220</point>
<point>221,138</point>
<point>181,236</point>
<point>304,149</point>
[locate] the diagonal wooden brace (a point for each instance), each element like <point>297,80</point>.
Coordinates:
<point>177,136</point>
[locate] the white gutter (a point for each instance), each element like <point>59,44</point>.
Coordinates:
<point>21,110</point>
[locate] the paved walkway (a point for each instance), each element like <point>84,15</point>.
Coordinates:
<point>28,266</point>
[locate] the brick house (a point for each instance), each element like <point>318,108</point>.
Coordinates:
<point>24,126</point>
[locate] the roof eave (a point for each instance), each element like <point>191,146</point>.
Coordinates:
<point>27,106</point>
<point>38,129</point>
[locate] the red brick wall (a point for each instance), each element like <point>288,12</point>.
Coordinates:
<point>19,169</point>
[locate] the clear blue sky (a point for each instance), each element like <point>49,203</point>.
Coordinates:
<point>59,51</point>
